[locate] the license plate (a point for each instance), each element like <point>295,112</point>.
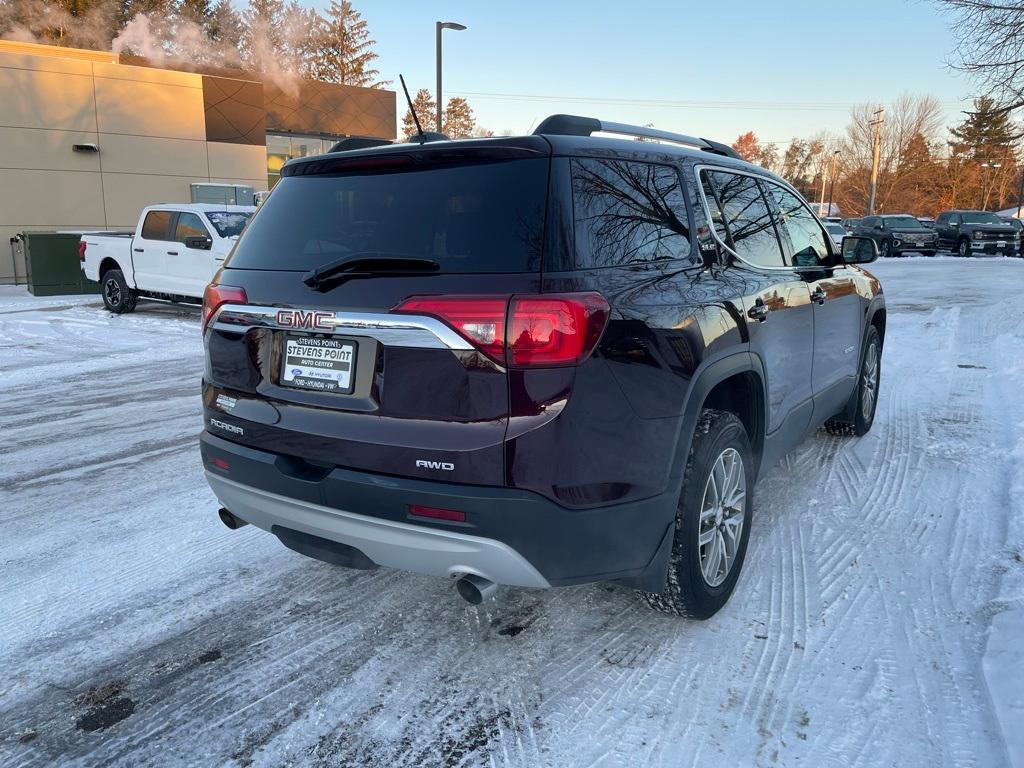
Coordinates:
<point>324,365</point>
<point>1001,244</point>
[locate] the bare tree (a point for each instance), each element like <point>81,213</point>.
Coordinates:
<point>990,45</point>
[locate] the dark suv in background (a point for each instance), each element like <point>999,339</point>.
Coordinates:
<point>896,234</point>
<point>968,233</point>
<point>536,361</point>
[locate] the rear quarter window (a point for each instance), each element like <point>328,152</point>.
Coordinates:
<point>627,212</point>
<point>477,217</point>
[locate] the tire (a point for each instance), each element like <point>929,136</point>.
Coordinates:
<point>886,249</point>
<point>963,248</point>
<point>719,442</point>
<point>859,415</point>
<point>117,296</point>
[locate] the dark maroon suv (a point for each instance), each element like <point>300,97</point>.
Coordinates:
<point>532,361</point>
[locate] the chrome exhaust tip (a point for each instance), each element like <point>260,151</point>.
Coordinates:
<point>475,589</point>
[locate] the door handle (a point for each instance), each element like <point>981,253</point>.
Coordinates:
<point>758,312</point>
<point>139,250</point>
<point>819,296</point>
<point>172,253</point>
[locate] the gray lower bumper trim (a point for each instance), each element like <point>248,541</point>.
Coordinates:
<point>386,542</point>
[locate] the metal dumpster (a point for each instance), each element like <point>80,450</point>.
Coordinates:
<point>52,266</point>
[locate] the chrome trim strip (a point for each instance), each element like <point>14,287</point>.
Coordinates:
<point>416,331</point>
<point>698,167</point>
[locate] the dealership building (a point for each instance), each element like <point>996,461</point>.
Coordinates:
<point>88,138</point>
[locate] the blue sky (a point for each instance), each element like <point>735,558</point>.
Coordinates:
<point>782,69</point>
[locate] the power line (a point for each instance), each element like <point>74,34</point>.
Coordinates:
<point>671,103</point>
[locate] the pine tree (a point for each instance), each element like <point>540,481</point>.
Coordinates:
<point>458,121</point>
<point>261,38</point>
<point>225,25</point>
<point>198,12</point>
<point>986,134</point>
<point>344,49</point>
<point>425,107</point>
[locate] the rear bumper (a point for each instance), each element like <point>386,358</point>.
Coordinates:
<point>510,536</point>
<point>385,542</point>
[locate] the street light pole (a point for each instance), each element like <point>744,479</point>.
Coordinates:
<point>438,27</point>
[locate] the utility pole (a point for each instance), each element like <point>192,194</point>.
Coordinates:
<point>832,180</point>
<point>876,149</point>
<point>1020,194</point>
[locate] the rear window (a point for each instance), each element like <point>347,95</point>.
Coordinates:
<point>482,217</point>
<point>155,225</point>
<point>228,223</point>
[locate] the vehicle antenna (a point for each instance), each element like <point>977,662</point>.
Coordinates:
<point>412,109</point>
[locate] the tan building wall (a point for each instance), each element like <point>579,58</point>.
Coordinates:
<point>149,125</point>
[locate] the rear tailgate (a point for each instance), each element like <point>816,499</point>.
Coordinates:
<point>330,374</point>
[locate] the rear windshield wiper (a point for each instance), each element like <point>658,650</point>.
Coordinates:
<point>369,263</point>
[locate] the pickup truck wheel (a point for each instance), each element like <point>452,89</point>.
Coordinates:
<point>859,414</point>
<point>712,520</point>
<point>886,249</point>
<point>963,248</point>
<point>117,296</point>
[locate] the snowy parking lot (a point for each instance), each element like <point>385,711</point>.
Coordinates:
<point>877,622</point>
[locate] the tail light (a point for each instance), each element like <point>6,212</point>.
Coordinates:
<point>81,250</point>
<point>216,295</point>
<point>540,331</point>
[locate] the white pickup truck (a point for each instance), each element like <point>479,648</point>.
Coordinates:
<point>172,254</point>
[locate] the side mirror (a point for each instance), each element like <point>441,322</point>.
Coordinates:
<point>859,250</point>
<point>202,243</point>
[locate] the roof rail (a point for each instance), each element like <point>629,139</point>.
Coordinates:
<point>572,125</point>
<point>359,142</point>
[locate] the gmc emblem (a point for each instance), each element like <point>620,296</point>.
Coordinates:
<point>301,318</point>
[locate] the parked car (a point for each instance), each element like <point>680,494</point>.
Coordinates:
<point>836,231</point>
<point>1018,225</point>
<point>896,234</point>
<point>975,232</point>
<point>850,225</point>
<point>492,360</point>
<point>927,222</point>
<point>172,254</point>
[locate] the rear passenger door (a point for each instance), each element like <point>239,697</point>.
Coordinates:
<point>149,251</point>
<point>837,305</point>
<point>777,301</point>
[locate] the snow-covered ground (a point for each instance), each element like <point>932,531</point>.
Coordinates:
<point>136,630</point>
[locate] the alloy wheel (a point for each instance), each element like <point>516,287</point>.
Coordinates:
<point>112,292</point>
<point>722,513</point>
<point>869,390</point>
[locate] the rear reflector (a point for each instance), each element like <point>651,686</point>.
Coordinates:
<point>537,331</point>
<point>220,464</point>
<point>81,250</point>
<point>216,295</point>
<point>437,513</point>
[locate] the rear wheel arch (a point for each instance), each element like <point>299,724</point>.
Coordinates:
<point>108,264</point>
<point>734,384</point>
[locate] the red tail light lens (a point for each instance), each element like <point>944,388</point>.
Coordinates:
<point>555,330</point>
<point>81,250</point>
<point>480,319</point>
<point>542,331</point>
<point>216,295</point>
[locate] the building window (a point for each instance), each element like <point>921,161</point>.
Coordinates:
<point>283,147</point>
